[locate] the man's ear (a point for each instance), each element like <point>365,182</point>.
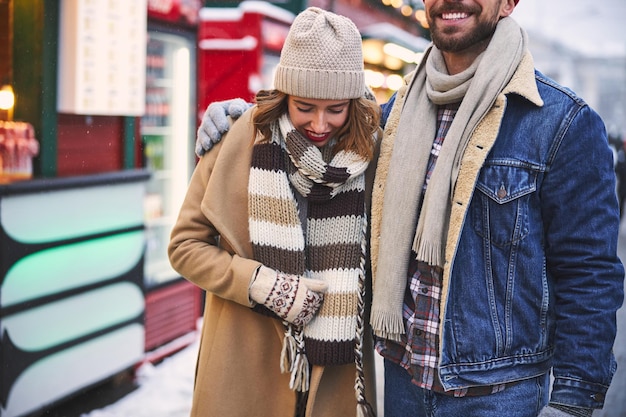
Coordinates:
<point>507,8</point>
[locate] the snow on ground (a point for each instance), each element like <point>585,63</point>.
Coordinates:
<point>164,390</point>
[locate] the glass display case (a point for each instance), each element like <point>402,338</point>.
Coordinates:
<point>168,132</point>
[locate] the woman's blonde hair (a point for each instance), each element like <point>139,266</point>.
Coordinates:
<point>356,135</point>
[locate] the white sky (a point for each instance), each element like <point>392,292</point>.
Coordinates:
<point>595,27</point>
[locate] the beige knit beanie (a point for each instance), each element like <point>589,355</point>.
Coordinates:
<point>322,58</point>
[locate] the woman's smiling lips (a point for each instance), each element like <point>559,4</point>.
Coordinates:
<point>315,137</point>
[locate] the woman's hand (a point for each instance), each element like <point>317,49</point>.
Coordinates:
<point>291,297</point>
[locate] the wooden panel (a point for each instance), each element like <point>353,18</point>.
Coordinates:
<point>89,144</point>
<point>171,312</point>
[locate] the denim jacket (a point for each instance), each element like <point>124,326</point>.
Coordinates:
<point>532,280</point>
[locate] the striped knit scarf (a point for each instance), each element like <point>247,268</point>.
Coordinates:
<point>318,233</point>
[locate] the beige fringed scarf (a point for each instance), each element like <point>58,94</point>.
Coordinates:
<point>332,249</point>
<point>477,87</point>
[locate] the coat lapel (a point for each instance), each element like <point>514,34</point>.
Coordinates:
<point>229,180</point>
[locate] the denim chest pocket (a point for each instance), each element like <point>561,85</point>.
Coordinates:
<point>500,208</point>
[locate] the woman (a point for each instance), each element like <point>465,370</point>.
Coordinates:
<point>273,227</point>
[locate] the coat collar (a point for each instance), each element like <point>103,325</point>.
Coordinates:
<point>524,82</point>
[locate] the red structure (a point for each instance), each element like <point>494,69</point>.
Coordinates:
<point>237,49</point>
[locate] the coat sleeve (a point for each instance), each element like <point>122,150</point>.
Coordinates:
<point>581,223</point>
<point>197,250</point>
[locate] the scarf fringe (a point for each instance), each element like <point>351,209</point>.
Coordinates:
<point>288,353</point>
<point>293,359</point>
<point>429,252</point>
<point>387,325</point>
<point>365,410</point>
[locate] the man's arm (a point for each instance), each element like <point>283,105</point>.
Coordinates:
<point>581,223</point>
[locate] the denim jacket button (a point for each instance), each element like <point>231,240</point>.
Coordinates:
<point>501,193</point>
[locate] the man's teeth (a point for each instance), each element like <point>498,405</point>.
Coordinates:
<point>452,16</point>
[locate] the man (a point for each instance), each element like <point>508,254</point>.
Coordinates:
<point>509,267</point>
<point>494,231</point>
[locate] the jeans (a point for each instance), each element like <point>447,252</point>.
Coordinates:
<point>405,399</point>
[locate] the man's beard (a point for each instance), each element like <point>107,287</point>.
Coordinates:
<point>483,31</point>
<point>445,39</point>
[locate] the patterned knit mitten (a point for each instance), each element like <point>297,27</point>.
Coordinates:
<point>293,298</point>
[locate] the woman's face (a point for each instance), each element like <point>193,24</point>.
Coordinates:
<point>317,120</point>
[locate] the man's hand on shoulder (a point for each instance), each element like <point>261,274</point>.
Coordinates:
<point>215,122</point>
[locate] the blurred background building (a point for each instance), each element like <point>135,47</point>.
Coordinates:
<point>599,79</point>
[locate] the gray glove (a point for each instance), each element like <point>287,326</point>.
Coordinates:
<point>293,298</point>
<point>215,122</point>
<point>555,410</point>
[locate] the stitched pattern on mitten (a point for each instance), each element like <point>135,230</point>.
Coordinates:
<point>310,305</point>
<point>283,294</point>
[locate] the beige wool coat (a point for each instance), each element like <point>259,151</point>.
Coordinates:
<point>238,372</point>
